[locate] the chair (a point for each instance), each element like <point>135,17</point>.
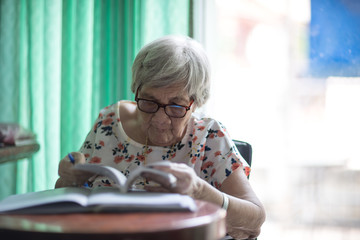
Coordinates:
<point>245,150</point>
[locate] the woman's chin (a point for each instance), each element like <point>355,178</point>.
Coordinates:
<point>160,141</point>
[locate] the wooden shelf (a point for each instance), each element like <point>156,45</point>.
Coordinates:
<point>13,153</point>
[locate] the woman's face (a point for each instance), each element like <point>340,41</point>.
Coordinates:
<point>161,129</point>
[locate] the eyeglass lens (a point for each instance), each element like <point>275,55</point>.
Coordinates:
<point>170,110</point>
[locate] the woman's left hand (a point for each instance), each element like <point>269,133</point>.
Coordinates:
<point>188,183</point>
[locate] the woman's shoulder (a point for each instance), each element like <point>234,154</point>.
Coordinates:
<point>206,128</point>
<point>122,107</point>
<point>201,121</point>
<point>127,110</point>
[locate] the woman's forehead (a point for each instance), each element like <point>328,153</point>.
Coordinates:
<point>170,93</point>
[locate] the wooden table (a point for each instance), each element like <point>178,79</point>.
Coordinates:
<point>207,223</point>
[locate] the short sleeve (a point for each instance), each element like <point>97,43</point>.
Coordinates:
<point>218,154</point>
<point>98,143</point>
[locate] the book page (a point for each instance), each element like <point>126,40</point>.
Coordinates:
<point>107,171</point>
<point>108,198</point>
<point>99,199</point>
<point>46,197</point>
<point>121,181</point>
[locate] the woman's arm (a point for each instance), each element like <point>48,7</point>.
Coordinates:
<point>245,213</point>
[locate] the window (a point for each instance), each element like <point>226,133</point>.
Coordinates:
<point>287,75</point>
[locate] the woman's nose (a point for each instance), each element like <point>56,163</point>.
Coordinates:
<point>161,117</point>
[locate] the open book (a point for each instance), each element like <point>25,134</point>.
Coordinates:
<point>99,199</point>
<point>123,183</point>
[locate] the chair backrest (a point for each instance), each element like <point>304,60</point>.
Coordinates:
<point>245,150</point>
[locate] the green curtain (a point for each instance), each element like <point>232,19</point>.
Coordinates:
<point>61,61</point>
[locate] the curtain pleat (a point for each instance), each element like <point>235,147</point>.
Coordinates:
<point>164,17</point>
<point>52,90</point>
<point>61,61</point>
<point>8,85</point>
<point>36,84</point>
<point>76,79</point>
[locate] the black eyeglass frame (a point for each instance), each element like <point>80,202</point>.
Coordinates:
<point>159,105</point>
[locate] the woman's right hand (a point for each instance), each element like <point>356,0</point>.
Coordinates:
<point>68,175</point>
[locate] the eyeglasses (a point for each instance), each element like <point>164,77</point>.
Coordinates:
<point>172,110</point>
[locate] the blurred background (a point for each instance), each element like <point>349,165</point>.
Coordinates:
<point>286,79</point>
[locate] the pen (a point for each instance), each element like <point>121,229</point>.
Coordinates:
<point>72,160</point>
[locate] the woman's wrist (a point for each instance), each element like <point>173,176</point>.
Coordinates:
<point>208,193</point>
<point>199,186</point>
<point>225,204</point>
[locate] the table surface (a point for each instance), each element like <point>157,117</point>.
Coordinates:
<point>208,222</point>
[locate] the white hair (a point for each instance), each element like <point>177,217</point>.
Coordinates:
<point>173,60</point>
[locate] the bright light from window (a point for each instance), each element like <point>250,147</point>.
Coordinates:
<point>304,130</point>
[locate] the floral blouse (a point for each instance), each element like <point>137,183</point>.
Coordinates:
<point>206,147</point>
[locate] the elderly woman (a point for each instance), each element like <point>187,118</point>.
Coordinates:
<point>170,79</point>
